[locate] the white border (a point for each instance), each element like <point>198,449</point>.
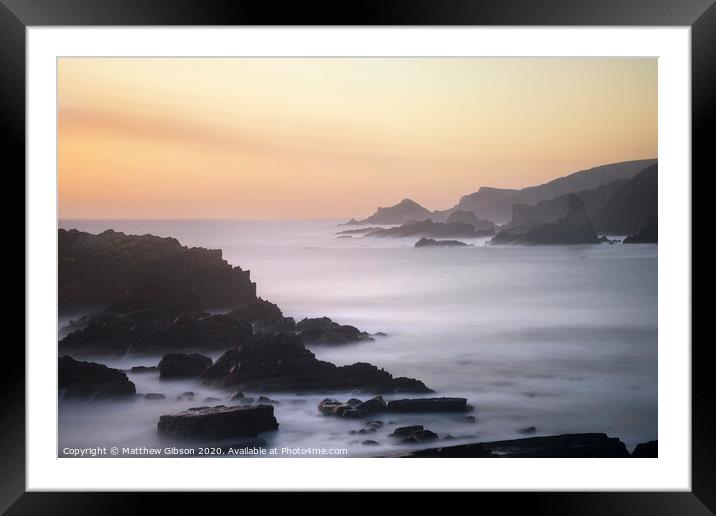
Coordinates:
<point>670,472</point>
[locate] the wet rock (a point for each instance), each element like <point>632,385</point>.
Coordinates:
<point>154,396</point>
<point>218,422</point>
<point>428,405</point>
<point>272,363</point>
<point>90,380</point>
<point>183,365</point>
<point>646,450</point>
<point>144,369</point>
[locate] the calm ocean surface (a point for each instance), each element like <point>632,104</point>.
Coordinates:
<point>561,338</point>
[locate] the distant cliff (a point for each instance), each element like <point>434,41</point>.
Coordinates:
<point>405,211</point>
<point>94,270</point>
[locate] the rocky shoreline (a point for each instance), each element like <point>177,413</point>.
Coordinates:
<point>263,352</point>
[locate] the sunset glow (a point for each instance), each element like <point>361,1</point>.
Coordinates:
<point>335,138</point>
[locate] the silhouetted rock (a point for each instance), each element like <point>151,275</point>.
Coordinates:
<point>324,331</point>
<point>400,213</point>
<point>646,450</point>
<point>574,228</point>
<point>183,365</point>
<point>559,446</point>
<point>630,208</point>
<point>428,405</point>
<point>429,242</point>
<point>154,331</point>
<point>281,362</point>
<point>496,204</point>
<point>469,217</point>
<point>221,422</point>
<point>264,316</point>
<point>91,380</point>
<point>647,234</point>
<point>95,270</point>
<point>428,228</point>
<point>144,369</point>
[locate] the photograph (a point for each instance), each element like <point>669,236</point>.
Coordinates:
<point>357,257</point>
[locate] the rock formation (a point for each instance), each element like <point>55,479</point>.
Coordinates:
<point>429,242</point>
<point>220,422</point>
<point>282,363</point>
<point>94,270</point>
<point>92,381</point>
<point>183,365</point>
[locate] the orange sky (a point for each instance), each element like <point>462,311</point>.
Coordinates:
<point>335,138</point>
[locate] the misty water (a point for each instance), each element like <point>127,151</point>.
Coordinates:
<point>562,338</point>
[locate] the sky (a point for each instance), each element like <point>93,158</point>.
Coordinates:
<point>277,138</point>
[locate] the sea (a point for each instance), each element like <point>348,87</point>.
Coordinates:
<point>541,340</point>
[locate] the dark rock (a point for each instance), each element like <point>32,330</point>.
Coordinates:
<point>647,234</point>
<point>186,396</point>
<point>272,363</point>
<point>95,270</point>
<point>559,446</point>
<point>406,431</point>
<point>264,399</point>
<point>264,316</point>
<point>354,413</point>
<point>429,242</point>
<point>421,436</point>
<point>218,422</point>
<point>428,405</point>
<point>154,331</point>
<point>183,365</point>
<point>154,396</point>
<point>373,405</point>
<point>324,331</point>
<point>646,450</point>
<point>144,369</point>
<point>528,430</point>
<point>153,295</point>
<point>369,442</point>
<point>91,380</point>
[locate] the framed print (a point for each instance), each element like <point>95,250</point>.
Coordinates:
<point>413,249</point>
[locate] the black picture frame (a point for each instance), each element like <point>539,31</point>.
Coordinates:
<point>17,15</point>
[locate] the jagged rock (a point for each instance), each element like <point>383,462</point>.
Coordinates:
<point>153,331</point>
<point>94,270</point>
<point>324,331</point>
<point>271,363</point>
<point>219,422</point>
<point>646,450</point>
<point>91,380</point>
<point>428,405</point>
<point>429,242</point>
<point>264,316</point>
<point>183,365</point>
